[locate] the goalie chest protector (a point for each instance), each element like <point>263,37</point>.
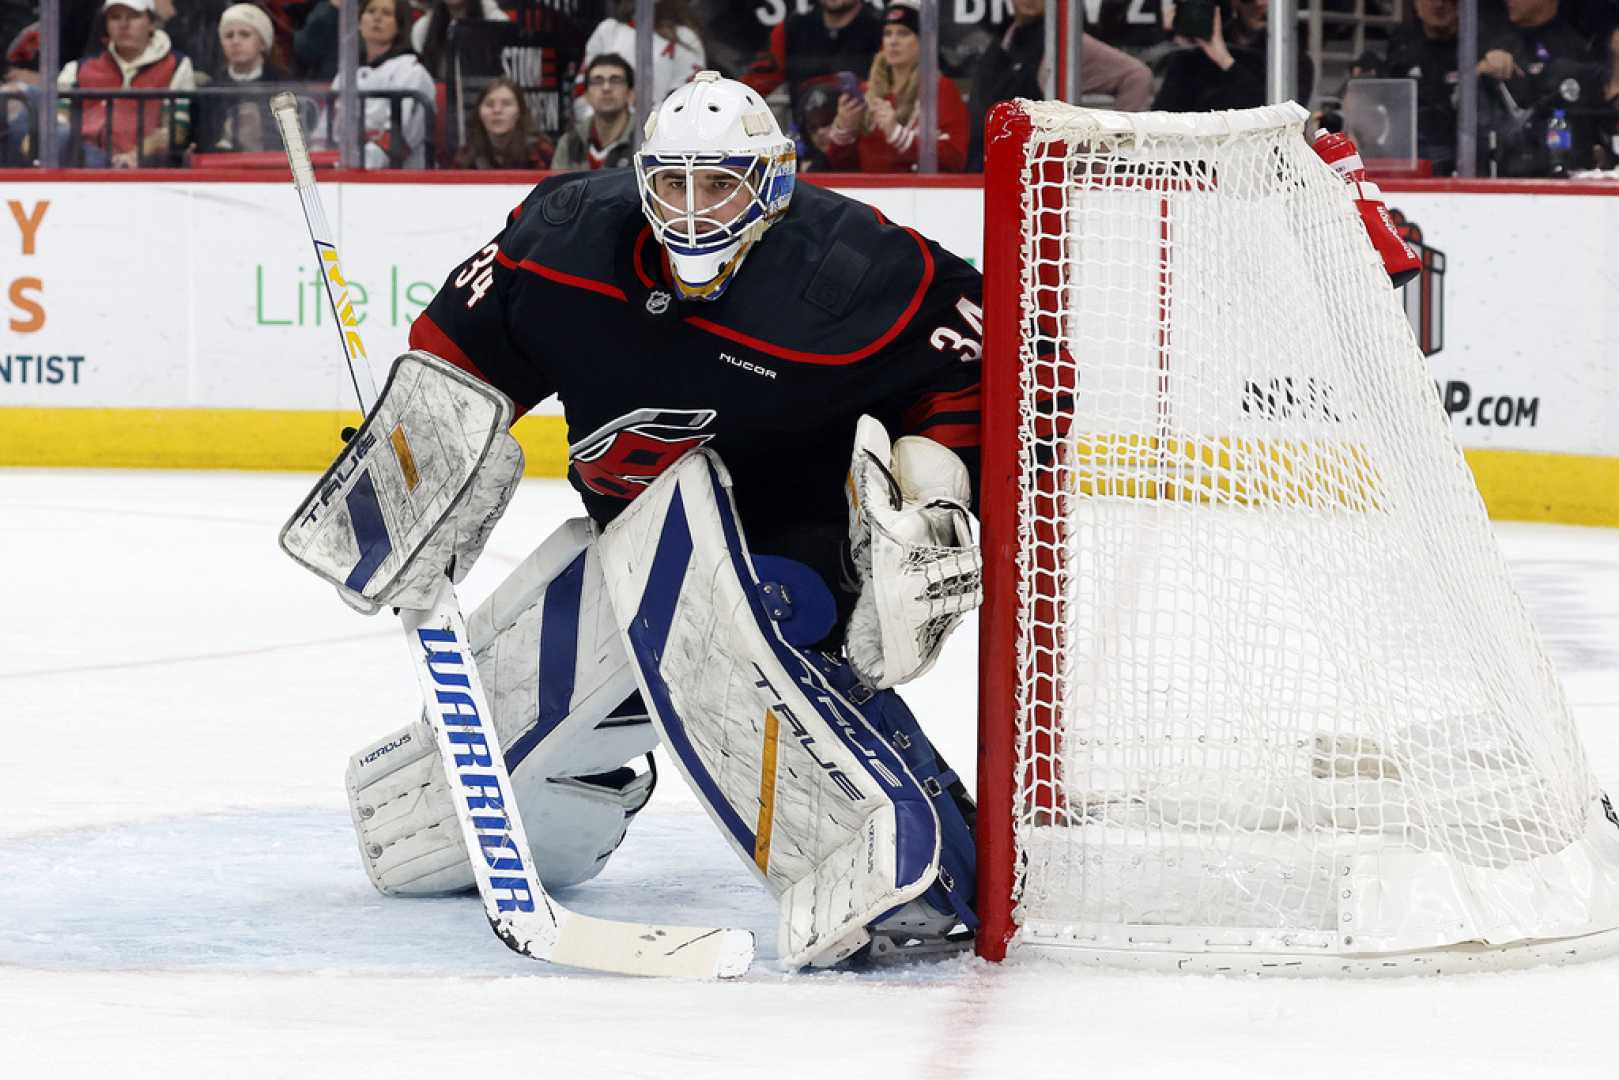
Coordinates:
<point>830,317</point>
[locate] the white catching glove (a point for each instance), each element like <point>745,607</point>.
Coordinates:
<point>915,546</point>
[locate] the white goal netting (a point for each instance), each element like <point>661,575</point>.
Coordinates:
<point>1275,690</point>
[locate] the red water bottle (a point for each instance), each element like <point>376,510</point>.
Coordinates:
<point>1339,151</point>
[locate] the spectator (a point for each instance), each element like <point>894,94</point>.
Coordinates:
<point>677,48</point>
<point>19,74</point>
<point>1529,62</point>
<point>880,133</point>
<point>812,123</point>
<point>15,17</point>
<point>1608,123</point>
<point>193,29</point>
<point>285,18</point>
<point>430,34</point>
<point>246,37</point>
<point>601,140</point>
<point>1519,54</point>
<point>1594,19</point>
<point>314,45</point>
<point>80,26</point>
<point>1227,70</point>
<point>386,63</point>
<point>1425,50</point>
<point>137,56</point>
<point>1014,67</point>
<point>830,47</point>
<point>503,135</point>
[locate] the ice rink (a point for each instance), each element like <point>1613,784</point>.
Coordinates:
<point>180,895</point>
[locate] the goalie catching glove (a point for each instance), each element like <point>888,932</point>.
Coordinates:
<point>915,547</point>
<point>415,493</point>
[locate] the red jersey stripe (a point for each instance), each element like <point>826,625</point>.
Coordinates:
<point>426,335</point>
<point>561,278</point>
<point>929,405</point>
<point>955,436</point>
<point>794,355</point>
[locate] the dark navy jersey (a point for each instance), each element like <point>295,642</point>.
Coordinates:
<point>835,312</point>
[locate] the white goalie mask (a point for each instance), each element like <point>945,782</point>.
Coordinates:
<point>714,173</point>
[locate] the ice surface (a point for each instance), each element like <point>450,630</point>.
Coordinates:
<point>179,894</point>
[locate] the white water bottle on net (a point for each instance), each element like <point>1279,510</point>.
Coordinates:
<point>1257,690</point>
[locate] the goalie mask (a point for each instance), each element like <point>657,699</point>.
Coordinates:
<point>714,173</point>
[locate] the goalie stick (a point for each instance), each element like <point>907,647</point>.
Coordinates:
<point>515,901</point>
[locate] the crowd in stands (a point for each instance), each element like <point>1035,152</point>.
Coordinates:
<point>439,87</point>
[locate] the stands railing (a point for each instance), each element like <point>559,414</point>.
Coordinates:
<point>1337,32</point>
<point>178,112</point>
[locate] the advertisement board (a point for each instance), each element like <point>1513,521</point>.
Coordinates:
<point>150,297</point>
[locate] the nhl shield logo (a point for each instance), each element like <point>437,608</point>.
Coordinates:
<point>657,302</point>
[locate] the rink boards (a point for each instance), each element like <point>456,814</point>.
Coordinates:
<point>219,353</point>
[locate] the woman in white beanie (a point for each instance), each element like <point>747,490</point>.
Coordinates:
<point>243,123</point>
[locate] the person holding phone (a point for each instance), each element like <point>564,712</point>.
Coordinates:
<point>1014,66</point>
<point>1223,66</point>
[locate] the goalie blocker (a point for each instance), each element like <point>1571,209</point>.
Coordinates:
<point>384,536</point>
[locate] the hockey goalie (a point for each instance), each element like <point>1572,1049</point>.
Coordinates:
<point>771,400</point>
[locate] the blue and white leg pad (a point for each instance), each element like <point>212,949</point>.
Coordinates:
<point>949,901</point>
<point>804,789</point>
<point>567,712</point>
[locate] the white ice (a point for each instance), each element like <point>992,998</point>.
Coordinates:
<point>180,895</point>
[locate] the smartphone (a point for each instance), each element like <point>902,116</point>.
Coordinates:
<point>1194,19</point>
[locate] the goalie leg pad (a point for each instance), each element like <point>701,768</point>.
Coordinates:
<point>953,894</point>
<point>567,712</point>
<point>411,844</point>
<point>806,792</point>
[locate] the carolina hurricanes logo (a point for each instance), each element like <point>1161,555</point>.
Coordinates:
<point>623,456</point>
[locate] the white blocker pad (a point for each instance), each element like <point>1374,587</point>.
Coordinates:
<point>808,795</point>
<point>418,488</point>
<point>567,712</point>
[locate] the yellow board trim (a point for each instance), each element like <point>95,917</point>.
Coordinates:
<point>767,794</point>
<point>1226,470</point>
<point>1517,485</point>
<point>1569,489</point>
<point>279,439</point>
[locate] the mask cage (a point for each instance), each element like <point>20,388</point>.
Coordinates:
<point>764,180</point>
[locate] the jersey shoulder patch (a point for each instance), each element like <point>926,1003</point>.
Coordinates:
<point>571,223</point>
<point>838,279</point>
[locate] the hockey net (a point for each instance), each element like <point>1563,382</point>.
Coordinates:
<point>1256,686</point>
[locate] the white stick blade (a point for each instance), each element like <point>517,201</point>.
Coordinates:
<point>643,949</point>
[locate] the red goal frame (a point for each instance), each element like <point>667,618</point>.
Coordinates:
<point>1007,132</point>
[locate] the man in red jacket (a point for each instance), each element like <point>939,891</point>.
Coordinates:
<point>138,56</point>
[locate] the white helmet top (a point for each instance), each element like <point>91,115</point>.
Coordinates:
<point>712,125</point>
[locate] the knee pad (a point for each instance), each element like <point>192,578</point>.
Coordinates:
<point>568,716</point>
